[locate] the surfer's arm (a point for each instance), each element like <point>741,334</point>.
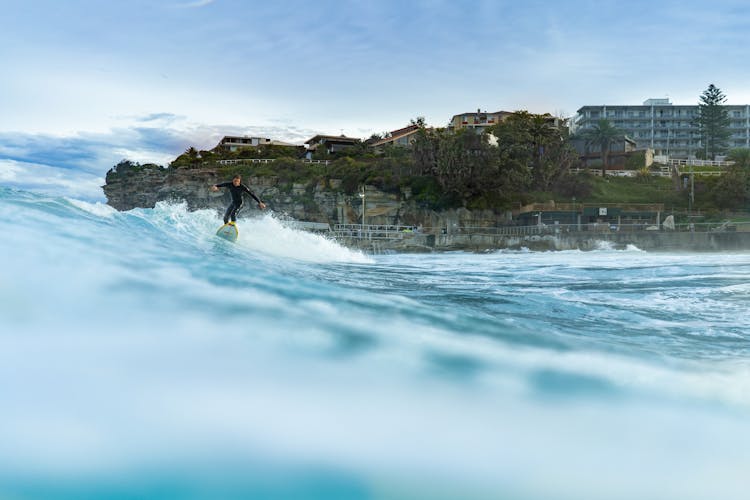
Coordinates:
<point>215,187</point>
<point>261,205</point>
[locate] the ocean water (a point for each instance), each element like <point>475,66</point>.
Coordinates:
<point>142,357</point>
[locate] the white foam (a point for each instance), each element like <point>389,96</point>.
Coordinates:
<point>100,209</point>
<point>264,234</point>
<point>604,245</point>
<point>269,235</point>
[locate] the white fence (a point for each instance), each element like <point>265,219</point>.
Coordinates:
<point>665,171</point>
<point>268,160</point>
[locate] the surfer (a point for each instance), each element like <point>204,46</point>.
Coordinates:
<point>236,188</point>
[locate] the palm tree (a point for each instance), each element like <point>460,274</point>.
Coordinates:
<point>740,157</point>
<point>603,134</point>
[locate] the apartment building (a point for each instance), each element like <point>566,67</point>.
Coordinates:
<point>666,128</point>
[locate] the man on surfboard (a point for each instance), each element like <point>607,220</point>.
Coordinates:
<point>236,188</point>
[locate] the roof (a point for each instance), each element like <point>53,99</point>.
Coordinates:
<point>333,138</point>
<point>240,139</point>
<point>404,130</point>
<point>484,113</point>
<point>397,134</point>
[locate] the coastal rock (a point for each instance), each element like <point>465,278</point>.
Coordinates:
<point>130,188</point>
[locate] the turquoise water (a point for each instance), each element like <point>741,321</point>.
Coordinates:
<point>142,357</point>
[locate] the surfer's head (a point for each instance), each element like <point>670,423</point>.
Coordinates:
<point>237,179</point>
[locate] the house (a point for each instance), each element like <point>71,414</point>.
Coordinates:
<point>235,143</point>
<point>478,121</point>
<point>591,155</point>
<point>403,137</point>
<point>332,144</point>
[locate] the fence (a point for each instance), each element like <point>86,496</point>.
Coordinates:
<point>679,166</point>
<point>268,160</point>
<point>373,231</point>
<point>699,163</point>
<point>392,232</point>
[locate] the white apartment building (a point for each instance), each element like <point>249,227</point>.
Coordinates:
<point>666,128</point>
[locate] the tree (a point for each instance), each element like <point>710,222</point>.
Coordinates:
<point>733,188</point>
<point>603,134</point>
<point>533,144</point>
<point>418,121</point>
<point>713,121</point>
<point>424,150</point>
<point>741,158</point>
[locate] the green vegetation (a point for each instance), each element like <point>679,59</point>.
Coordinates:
<point>732,190</point>
<point>603,134</point>
<point>634,190</point>
<point>636,160</point>
<point>713,122</point>
<point>127,167</point>
<point>523,159</point>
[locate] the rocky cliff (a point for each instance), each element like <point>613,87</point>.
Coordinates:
<point>128,188</point>
<point>326,202</point>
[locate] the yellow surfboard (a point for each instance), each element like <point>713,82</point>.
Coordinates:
<point>229,232</point>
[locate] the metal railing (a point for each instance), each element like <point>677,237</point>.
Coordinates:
<point>374,231</point>
<point>393,232</point>
<point>699,163</point>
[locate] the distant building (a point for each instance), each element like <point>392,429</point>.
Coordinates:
<point>235,143</point>
<point>478,121</point>
<point>591,154</point>
<point>402,137</point>
<point>666,128</point>
<point>331,143</point>
<point>605,217</point>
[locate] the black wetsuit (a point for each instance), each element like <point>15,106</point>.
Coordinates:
<point>236,192</point>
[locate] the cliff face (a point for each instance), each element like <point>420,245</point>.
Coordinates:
<point>325,202</point>
<point>144,187</point>
<point>320,202</point>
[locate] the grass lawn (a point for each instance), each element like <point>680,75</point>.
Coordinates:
<point>636,190</point>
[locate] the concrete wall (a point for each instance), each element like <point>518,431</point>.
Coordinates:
<point>653,241</point>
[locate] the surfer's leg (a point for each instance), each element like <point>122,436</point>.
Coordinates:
<point>235,210</point>
<point>229,211</point>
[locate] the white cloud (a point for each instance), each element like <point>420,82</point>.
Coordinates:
<point>51,180</point>
<point>75,165</point>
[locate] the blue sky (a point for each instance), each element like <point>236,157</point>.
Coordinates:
<point>87,83</point>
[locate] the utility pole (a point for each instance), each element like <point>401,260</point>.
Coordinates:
<point>692,186</point>
<point>691,198</point>
<point>362,195</point>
